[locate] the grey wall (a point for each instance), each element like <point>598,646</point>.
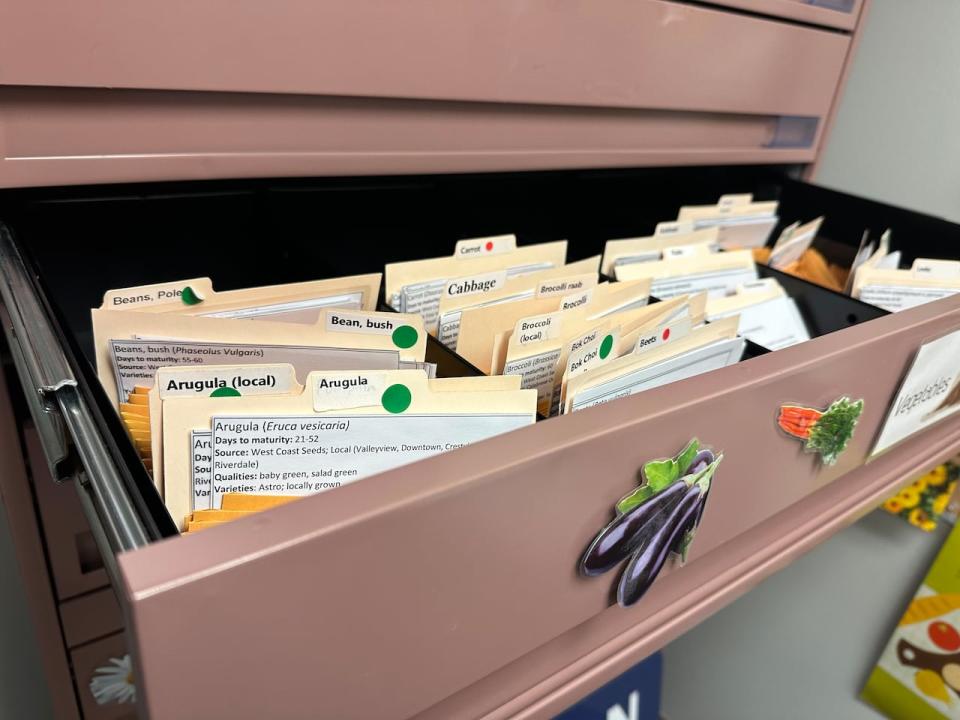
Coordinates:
<point>897,135</point>
<point>801,645</point>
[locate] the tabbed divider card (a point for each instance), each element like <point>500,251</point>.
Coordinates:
<point>794,254</point>
<point>628,251</point>
<point>703,349</point>
<point>575,337</point>
<point>716,273</point>
<point>486,330</point>
<point>534,334</point>
<point>679,259</point>
<point>768,316</point>
<point>793,242</point>
<point>343,426</point>
<point>416,286</point>
<point>201,468</point>
<point>572,281</point>
<point>880,282</point>
<point>294,302</point>
<point>741,223</point>
<point>576,359</point>
<point>131,346</point>
<point>194,332</point>
<point>867,252</point>
<point>544,349</point>
<point>209,381</point>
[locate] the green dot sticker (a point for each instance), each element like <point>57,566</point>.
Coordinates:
<point>189,296</point>
<point>225,392</point>
<point>396,398</point>
<point>606,346</point>
<point>405,336</point>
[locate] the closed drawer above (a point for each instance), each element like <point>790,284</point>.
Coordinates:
<point>341,87</point>
<point>841,14</point>
<point>648,54</point>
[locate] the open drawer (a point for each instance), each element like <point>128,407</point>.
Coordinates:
<point>447,588</point>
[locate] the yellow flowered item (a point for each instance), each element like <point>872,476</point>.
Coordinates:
<point>938,476</point>
<point>922,502</point>
<point>910,497</point>
<point>893,505</point>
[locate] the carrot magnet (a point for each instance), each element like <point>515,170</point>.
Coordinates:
<point>827,432</point>
<point>659,517</point>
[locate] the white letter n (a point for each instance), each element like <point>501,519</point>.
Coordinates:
<point>617,713</point>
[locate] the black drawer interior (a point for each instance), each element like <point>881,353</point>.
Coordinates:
<point>86,240</point>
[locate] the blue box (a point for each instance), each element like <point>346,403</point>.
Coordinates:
<point>635,695</point>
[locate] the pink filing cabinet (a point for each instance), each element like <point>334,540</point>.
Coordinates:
<point>335,136</point>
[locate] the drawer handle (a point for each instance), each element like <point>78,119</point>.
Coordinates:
<point>793,131</point>
<point>838,5</point>
<point>72,442</point>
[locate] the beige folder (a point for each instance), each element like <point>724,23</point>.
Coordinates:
<point>319,438</point>
<point>130,346</point>
<point>291,302</point>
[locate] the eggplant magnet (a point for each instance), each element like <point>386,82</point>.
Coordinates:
<point>659,517</point>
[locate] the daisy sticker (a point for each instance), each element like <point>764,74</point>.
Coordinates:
<point>113,682</point>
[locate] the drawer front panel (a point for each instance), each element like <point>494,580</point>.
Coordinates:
<point>627,53</point>
<point>390,595</point>
<point>65,135</point>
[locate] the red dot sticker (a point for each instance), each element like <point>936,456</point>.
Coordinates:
<point>489,245</point>
<point>666,334</point>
